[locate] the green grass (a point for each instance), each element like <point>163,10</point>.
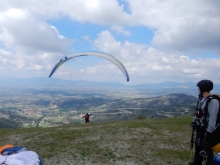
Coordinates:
<point>147,141</point>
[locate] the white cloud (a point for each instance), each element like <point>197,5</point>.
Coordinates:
<point>86,38</point>
<point>14,13</point>
<point>5,53</point>
<point>20,64</point>
<point>95,11</point>
<point>148,64</point>
<point>27,42</point>
<point>35,67</point>
<point>20,30</point>
<point>106,40</point>
<point>120,30</point>
<point>180,25</point>
<point>58,33</point>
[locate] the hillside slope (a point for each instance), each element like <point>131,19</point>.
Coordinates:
<point>5,123</point>
<point>134,142</point>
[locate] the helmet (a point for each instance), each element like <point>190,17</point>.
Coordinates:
<point>205,85</point>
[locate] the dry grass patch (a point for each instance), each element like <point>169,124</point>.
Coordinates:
<point>150,141</point>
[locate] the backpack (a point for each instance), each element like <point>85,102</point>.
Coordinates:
<point>215,136</point>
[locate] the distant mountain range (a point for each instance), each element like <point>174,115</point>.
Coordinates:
<point>173,87</point>
<point>41,81</point>
<point>57,81</point>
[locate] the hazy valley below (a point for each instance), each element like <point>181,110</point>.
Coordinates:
<point>31,104</point>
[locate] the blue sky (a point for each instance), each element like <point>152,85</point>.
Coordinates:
<point>138,34</point>
<point>157,41</point>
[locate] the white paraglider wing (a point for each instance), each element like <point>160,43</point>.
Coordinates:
<point>98,54</point>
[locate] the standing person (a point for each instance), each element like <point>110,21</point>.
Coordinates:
<point>87,117</point>
<point>204,122</point>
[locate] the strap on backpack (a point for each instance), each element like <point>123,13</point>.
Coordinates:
<point>206,112</point>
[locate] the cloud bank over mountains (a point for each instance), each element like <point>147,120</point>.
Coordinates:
<point>184,45</point>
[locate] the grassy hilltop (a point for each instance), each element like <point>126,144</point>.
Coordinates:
<point>134,142</point>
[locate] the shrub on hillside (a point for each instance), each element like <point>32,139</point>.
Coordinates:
<point>141,117</point>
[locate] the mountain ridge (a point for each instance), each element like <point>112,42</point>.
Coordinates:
<point>58,81</point>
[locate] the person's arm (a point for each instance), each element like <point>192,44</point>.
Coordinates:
<point>213,109</point>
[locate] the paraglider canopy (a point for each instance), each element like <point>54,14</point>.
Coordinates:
<point>98,54</point>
